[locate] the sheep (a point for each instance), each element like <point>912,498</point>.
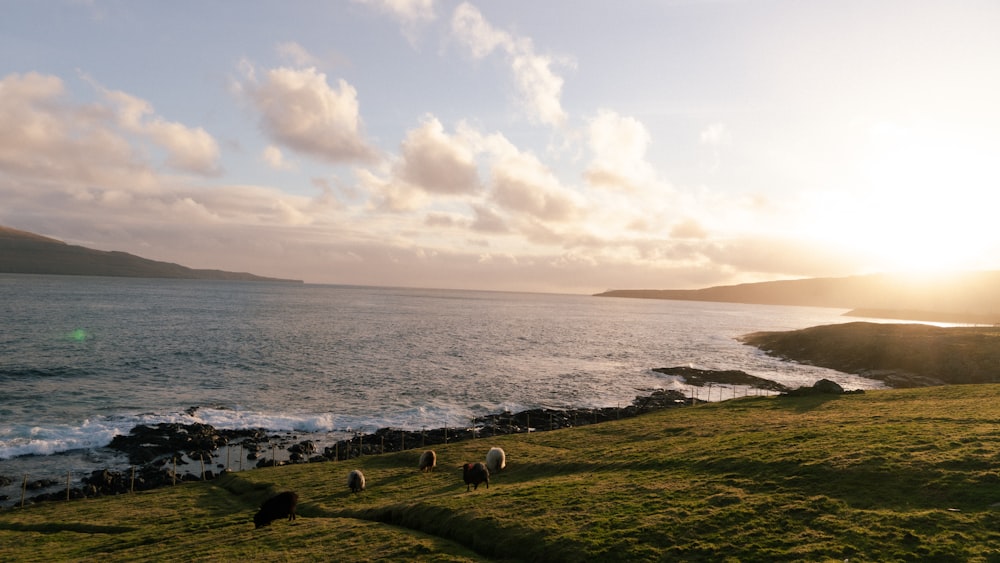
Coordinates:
<point>356,481</point>
<point>496,459</point>
<point>474,474</point>
<point>278,506</point>
<point>428,461</point>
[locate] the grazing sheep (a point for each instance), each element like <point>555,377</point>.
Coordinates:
<point>474,474</point>
<point>356,481</point>
<point>496,459</point>
<point>428,460</point>
<point>278,506</point>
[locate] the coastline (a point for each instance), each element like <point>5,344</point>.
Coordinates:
<point>900,355</point>
<point>165,454</point>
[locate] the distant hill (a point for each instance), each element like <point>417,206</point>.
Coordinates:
<point>968,297</point>
<point>22,252</point>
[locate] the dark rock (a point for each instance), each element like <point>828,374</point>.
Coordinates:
<point>821,387</point>
<point>303,448</point>
<point>40,484</point>
<point>699,377</point>
<point>827,386</point>
<point>147,443</point>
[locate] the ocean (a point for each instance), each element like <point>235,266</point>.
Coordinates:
<point>83,359</point>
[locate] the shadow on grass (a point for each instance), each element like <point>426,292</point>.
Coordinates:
<point>866,486</point>
<point>805,403</point>
<point>65,527</point>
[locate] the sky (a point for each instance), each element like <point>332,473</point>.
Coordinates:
<point>567,146</point>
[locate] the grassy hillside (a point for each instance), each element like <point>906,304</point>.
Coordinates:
<point>899,475</point>
<point>962,297</point>
<point>902,355</point>
<point>22,252</point>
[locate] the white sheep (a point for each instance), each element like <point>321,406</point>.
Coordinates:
<point>496,459</point>
<point>356,481</point>
<point>428,461</point>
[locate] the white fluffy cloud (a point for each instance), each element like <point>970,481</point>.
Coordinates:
<point>70,161</point>
<point>189,149</point>
<point>436,162</point>
<point>300,110</point>
<point>619,145</point>
<point>77,148</point>
<point>523,184</point>
<point>539,87</point>
<point>42,131</point>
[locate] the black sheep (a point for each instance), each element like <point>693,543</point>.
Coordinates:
<point>278,506</point>
<point>474,474</point>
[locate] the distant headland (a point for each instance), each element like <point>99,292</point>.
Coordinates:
<point>22,252</point>
<point>965,297</point>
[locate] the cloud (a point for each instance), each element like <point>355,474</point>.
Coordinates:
<point>521,183</point>
<point>79,166</point>
<point>299,110</point>
<point>75,148</point>
<point>716,134</point>
<point>390,194</point>
<point>189,149</point>
<point>538,86</point>
<point>688,229</point>
<point>472,30</point>
<point>408,12</point>
<point>488,221</point>
<point>619,145</point>
<point>274,158</point>
<point>297,54</point>
<point>437,163</point>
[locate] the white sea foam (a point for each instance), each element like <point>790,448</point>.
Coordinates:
<point>46,440</point>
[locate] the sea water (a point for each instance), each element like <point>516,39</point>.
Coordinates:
<point>83,359</point>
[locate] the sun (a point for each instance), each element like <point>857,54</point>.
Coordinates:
<point>924,202</point>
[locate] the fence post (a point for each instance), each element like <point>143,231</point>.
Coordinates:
<point>202,458</point>
<point>175,468</point>
<point>131,485</point>
<point>67,485</point>
<point>24,489</point>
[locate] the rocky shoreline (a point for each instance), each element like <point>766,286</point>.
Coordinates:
<point>165,454</point>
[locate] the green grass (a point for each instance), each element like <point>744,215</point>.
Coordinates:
<point>898,475</point>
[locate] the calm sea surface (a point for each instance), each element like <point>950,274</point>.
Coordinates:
<point>83,359</point>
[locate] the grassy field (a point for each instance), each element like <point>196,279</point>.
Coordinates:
<point>897,475</point>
